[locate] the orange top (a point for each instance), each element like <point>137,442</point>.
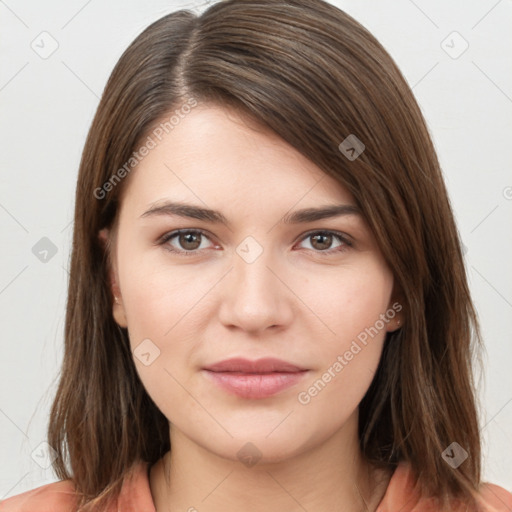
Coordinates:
<point>135,496</point>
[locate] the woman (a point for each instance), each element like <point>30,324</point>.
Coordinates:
<point>268,308</point>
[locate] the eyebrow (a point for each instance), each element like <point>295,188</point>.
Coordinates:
<point>172,208</point>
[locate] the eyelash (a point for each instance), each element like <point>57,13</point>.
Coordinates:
<point>342,248</point>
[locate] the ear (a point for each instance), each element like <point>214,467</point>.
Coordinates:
<point>118,311</point>
<point>396,310</point>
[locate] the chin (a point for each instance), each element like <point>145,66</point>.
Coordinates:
<point>258,448</point>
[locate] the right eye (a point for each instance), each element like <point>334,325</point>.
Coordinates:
<point>189,239</point>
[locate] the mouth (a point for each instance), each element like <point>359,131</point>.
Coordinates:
<point>254,379</point>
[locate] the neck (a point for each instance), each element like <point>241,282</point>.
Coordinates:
<point>332,476</point>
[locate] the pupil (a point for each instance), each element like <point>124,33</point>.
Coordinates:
<point>326,244</point>
<point>189,239</point>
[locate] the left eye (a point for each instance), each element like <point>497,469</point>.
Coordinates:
<point>190,241</point>
<point>323,238</point>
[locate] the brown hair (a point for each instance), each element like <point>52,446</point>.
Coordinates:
<point>311,74</point>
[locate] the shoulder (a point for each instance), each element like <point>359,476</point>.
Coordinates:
<point>495,498</point>
<point>61,496</point>
<point>402,491</point>
<point>54,497</point>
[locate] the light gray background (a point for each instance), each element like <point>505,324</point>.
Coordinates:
<point>47,107</point>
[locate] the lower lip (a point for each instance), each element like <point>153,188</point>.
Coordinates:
<point>255,385</point>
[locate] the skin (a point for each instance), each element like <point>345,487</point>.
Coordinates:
<point>292,302</point>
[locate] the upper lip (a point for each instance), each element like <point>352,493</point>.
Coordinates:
<point>265,365</point>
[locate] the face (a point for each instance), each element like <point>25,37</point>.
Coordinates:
<point>316,295</point>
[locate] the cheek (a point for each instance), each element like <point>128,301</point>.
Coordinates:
<point>163,337</point>
<point>157,295</point>
<point>354,311</point>
<point>166,307</point>
<point>335,391</point>
<point>348,300</point>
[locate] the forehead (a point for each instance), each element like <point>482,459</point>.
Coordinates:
<point>218,158</point>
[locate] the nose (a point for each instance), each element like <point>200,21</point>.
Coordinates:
<point>255,296</point>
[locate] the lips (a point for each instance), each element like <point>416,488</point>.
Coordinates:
<point>266,365</point>
<point>254,379</point>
